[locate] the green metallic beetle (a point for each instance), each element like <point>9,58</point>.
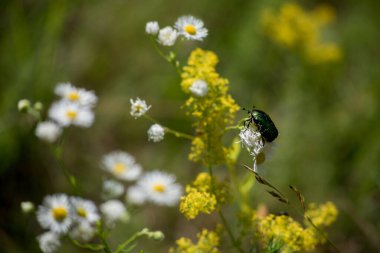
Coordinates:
<point>263,123</point>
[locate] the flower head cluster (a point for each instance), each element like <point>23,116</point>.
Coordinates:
<point>322,215</point>
<point>189,27</point>
<point>294,27</point>
<point>201,197</point>
<point>157,187</point>
<point>74,108</point>
<point>60,215</point>
<point>287,235</point>
<point>209,105</point>
<point>208,241</point>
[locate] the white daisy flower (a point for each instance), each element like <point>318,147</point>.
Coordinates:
<point>83,231</point>
<point>191,28</point>
<point>138,107</point>
<point>27,207</point>
<point>199,88</point>
<point>160,188</point>
<point>84,210</point>
<point>152,27</point>
<point>55,213</point>
<point>167,36</point>
<point>136,195</point>
<point>156,133</point>
<point>68,113</point>
<point>48,131</point>
<point>114,210</point>
<point>49,242</point>
<point>77,95</point>
<point>112,189</point>
<point>122,165</point>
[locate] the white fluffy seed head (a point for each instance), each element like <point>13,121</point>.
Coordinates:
<point>48,242</point>
<point>199,88</point>
<point>48,131</point>
<point>156,133</point>
<point>114,210</point>
<point>167,36</point>
<point>152,27</point>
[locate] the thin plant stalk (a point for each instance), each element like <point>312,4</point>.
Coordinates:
<point>235,243</point>
<point>302,213</point>
<point>169,130</point>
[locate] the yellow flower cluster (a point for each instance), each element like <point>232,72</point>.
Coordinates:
<point>211,112</point>
<point>287,235</point>
<point>293,27</point>
<point>201,197</point>
<point>208,241</point>
<point>322,215</point>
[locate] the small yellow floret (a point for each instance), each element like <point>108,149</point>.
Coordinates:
<point>71,114</point>
<point>119,168</point>
<point>208,241</point>
<point>322,215</point>
<point>138,108</point>
<point>190,29</point>
<point>73,96</point>
<point>293,27</point>
<point>59,213</point>
<point>82,212</point>
<point>159,188</point>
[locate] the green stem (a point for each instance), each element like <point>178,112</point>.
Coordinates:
<point>102,235</point>
<point>93,247</point>
<point>58,150</point>
<point>169,130</point>
<point>228,128</point>
<point>169,58</point>
<point>122,246</point>
<point>107,248</point>
<point>235,243</point>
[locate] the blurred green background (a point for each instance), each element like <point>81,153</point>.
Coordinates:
<point>327,114</point>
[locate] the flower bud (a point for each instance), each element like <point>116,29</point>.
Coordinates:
<point>157,235</point>
<point>23,105</point>
<point>38,106</point>
<point>27,207</point>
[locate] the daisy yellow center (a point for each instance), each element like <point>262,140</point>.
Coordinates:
<point>74,96</point>
<point>71,114</point>
<point>159,188</point>
<point>59,213</point>
<point>81,212</point>
<point>138,108</point>
<point>190,29</point>
<point>119,168</point>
